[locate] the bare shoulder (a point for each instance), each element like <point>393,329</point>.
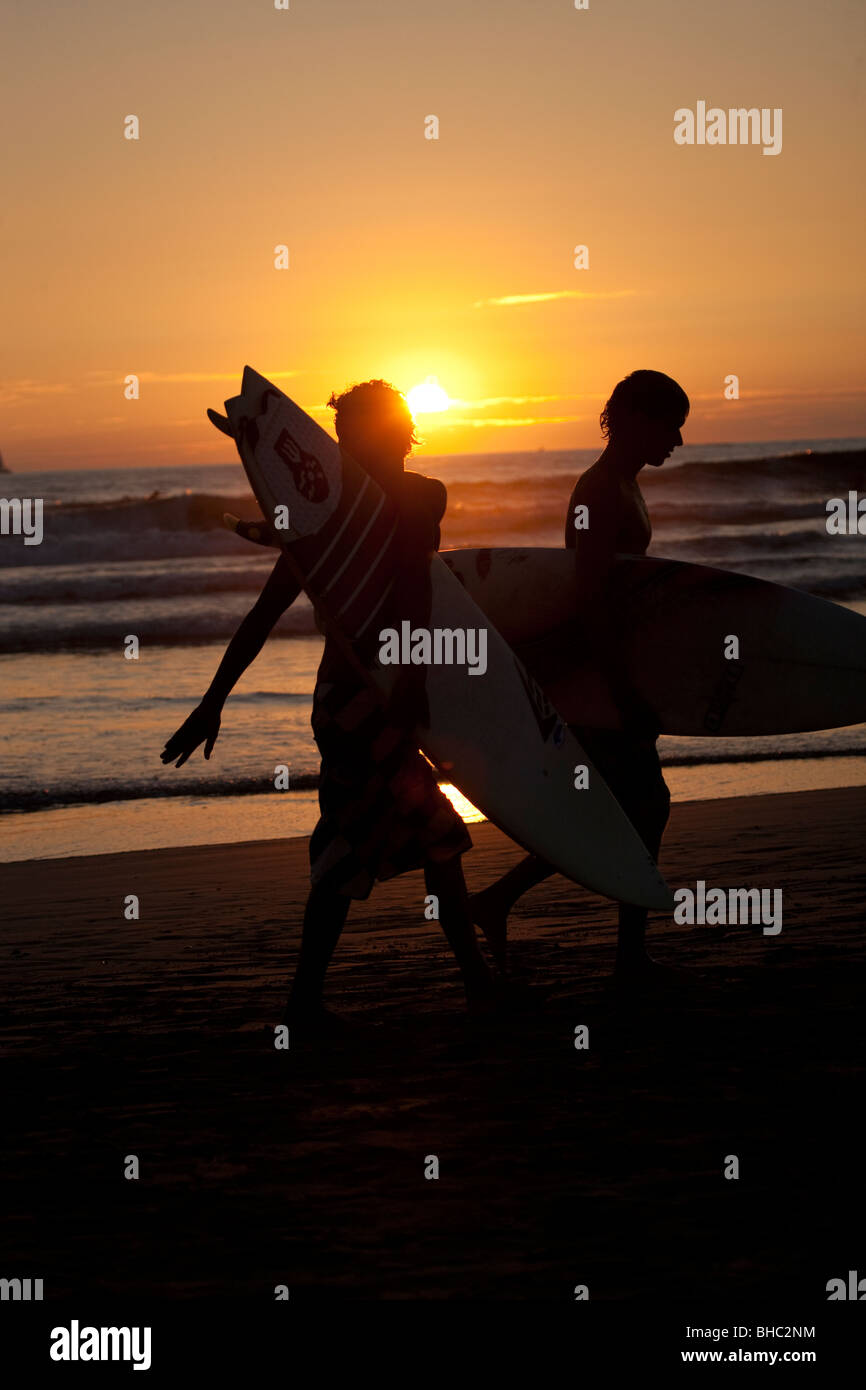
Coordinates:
<point>595,483</point>
<point>427,494</point>
<point>599,494</point>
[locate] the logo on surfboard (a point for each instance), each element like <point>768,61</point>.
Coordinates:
<point>307,473</point>
<point>546,718</point>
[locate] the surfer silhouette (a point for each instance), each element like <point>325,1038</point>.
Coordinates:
<point>382,812</point>
<point>641,422</point>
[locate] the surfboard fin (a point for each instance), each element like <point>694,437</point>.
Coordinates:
<point>221,422</point>
<point>259,532</point>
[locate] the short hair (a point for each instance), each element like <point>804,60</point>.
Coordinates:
<point>651,393</point>
<point>370,405</point>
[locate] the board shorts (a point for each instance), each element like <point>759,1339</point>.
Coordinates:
<point>631,768</point>
<point>382,812</point>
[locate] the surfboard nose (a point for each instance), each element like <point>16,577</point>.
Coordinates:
<point>631,887</point>
<point>647,889</point>
<point>659,898</point>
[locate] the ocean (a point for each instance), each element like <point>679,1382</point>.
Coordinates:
<point>143,551</point>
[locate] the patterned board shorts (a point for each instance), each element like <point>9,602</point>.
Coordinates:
<point>382,812</point>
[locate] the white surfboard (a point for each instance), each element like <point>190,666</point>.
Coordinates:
<point>495,735</point>
<point>801,663</point>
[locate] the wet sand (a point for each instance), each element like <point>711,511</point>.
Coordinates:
<point>558,1167</point>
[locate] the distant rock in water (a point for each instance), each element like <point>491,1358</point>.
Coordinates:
<point>3,468</point>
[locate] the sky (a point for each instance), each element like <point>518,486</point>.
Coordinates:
<point>412,258</point>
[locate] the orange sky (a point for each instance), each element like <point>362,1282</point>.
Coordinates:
<point>306,127</point>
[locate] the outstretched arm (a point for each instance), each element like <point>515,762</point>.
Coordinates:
<point>279,593</point>
<point>203,724</point>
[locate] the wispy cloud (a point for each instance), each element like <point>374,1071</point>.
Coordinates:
<point>454,402</point>
<point>475,420</point>
<point>776,403</point>
<point>785,393</point>
<point>182,378</point>
<point>488,401</point>
<point>27,388</point>
<point>508,301</point>
<point>12,391</point>
<point>447,421</point>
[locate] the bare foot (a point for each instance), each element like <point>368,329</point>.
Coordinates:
<point>489,916</point>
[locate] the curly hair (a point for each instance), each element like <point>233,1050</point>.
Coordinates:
<point>370,405</point>
<point>650,393</point>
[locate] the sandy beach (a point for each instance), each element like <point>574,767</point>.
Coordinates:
<point>558,1167</point>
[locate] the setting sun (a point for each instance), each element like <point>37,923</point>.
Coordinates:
<point>428,398</point>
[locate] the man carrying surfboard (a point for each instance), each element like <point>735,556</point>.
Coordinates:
<point>382,812</point>
<point>642,423</point>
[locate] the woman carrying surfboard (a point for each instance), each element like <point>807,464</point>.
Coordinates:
<point>382,812</point>
<point>642,423</point>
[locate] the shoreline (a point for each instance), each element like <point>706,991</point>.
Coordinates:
<point>68,830</point>
<point>259,842</point>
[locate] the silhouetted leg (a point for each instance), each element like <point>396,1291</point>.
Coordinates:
<point>631,953</point>
<point>490,908</point>
<point>446,881</point>
<point>324,919</point>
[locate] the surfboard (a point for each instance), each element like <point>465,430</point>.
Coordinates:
<point>495,735</point>
<point>801,663</point>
